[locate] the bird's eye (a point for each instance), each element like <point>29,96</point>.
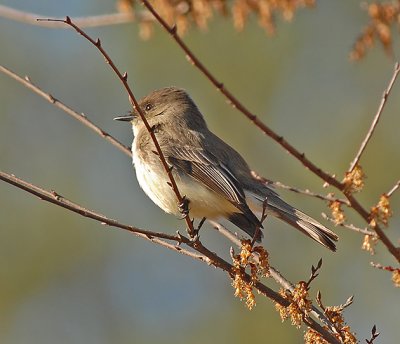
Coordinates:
<point>148,107</point>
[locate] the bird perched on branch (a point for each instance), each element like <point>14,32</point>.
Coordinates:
<point>213,177</point>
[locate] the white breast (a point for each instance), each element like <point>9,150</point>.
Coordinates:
<point>203,201</point>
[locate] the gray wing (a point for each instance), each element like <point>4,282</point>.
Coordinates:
<point>206,169</point>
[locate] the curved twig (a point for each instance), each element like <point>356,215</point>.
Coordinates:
<point>124,79</point>
<point>376,118</point>
<point>91,21</point>
<point>349,226</point>
<point>393,189</point>
<point>55,198</point>
<point>78,116</point>
<point>306,192</point>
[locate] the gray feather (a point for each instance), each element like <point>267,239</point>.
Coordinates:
<point>303,222</point>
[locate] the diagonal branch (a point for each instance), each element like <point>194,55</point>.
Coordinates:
<point>124,79</point>
<point>53,197</point>
<point>377,117</point>
<point>349,226</point>
<point>393,189</point>
<point>203,254</point>
<point>92,21</point>
<point>306,192</point>
<point>78,116</point>
<point>172,30</point>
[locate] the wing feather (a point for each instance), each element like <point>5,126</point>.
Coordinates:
<point>206,169</point>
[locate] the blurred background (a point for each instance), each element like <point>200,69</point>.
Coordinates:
<point>67,279</point>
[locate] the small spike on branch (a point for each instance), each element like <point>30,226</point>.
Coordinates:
<point>374,335</point>
<point>314,272</point>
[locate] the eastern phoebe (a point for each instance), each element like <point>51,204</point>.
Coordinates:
<point>212,176</point>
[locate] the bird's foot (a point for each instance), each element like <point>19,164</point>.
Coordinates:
<point>194,236</point>
<point>184,207</point>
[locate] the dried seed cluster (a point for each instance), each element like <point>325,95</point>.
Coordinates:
<point>354,180</point>
<point>381,212</point>
<point>369,243</point>
<point>335,315</point>
<point>300,305</point>
<point>254,258</point>
<point>337,212</point>
<point>382,17</point>
<point>185,13</point>
<point>313,337</point>
<point>396,278</point>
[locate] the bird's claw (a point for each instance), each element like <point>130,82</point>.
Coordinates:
<point>184,207</point>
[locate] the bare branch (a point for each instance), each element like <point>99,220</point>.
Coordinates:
<point>374,335</point>
<point>393,189</point>
<point>124,79</point>
<point>314,273</point>
<point>78,116</point>
<point>376,118</point>
<point>349,226</point>
<point>306,192</point>
<point>91,21</point>
<point>382,267</point>
<point>55,198</point>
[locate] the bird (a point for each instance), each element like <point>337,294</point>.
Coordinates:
<point>213,177</point>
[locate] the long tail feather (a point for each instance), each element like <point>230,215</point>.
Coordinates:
<point>303,222</point>
<point>306,224</point>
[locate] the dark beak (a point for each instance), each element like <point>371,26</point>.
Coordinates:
<point>126,118</point>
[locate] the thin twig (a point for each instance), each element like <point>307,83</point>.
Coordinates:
<point>55,198</point>
<point>78,116</point>
<point>349,226</point>
<point>117,18</point>
<point>393,189</point>
<point>124,79</point>
<point>91,21</point>
<point>382,267</point>
<point>376,118</point>
<point>374,334</point>
<point>306,192</point>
